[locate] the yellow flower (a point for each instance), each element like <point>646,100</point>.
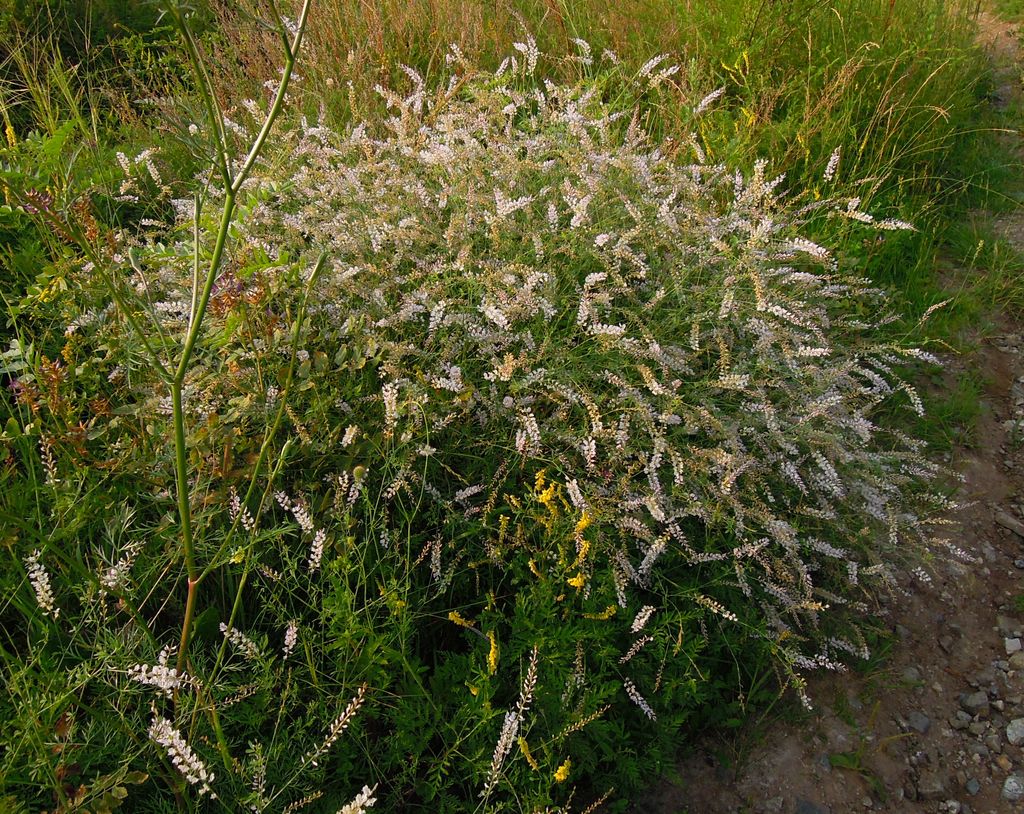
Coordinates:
<point>577,581</point>
<point>584,521</point>
<point>459,619</point>
<point>492,657</point>
<point>547,497</point>
<point>607,613</point>
<point>562,772</point>
<point>524,747</point>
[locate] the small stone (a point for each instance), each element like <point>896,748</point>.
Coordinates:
<point>952,807</point>
<point>1015,731</point>
<point>993,744</point>
<point>1017,661</point>
<point>867,802</point>
<point>911,675</point>
<point>1013,788</point>
<point>972,786</point>
<point>919,722</point>
<point>773,805</point>
<point>1004,763</point>
<point>946,642</point>
<point>975,703</point>
<point>931,786</point>
<point>1008,626</point>
<point>1008,521</point>
<point>977,727</point>
<point>1019,563</point>
<point>1012,646</point>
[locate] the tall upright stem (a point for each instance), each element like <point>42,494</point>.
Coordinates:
<point>232,186</point>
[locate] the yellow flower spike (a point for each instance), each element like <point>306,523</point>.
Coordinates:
<point>577,581</point>
<point>459,619</point>
<point>535,570</point>
<point>607,613</point>
<point>524,747</point>
<point>12,138</point>
<point>474,691</point>
<point>562,772</point>
<point>503,522</point>
<point>547,497</point>
<point>584,522</point>
<point>539,480</point>
<point>492,657</point>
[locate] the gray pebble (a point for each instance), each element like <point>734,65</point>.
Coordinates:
<point>911,675</point>
<point>919,721</point>
<point>931,786</point>
<point>1013,788</point>
<point>1015,731</point>
<point>975,703</point>
<point>1008,521</point>
<point>972,786</point>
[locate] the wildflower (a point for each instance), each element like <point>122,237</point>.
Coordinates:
<point>562,772</point>
<point>607,613</point>
<point>291,636</point>
<point>509,731</point>
<point>707,101</point>
<point>192,768</point>
<point>316,550</point>
<point>338,726</point>
<point>459,619</point>
<point>41,584</point>
<point>492,655</point>
<point>643,615</point>
<point>636,648</point>
<point>248,648</point>
<point>165,679</point>
<point>638,699</point>
<point>360,802</point>
<point>584,522</point>
<point>833,164</point>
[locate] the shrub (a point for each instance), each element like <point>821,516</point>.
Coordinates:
<point>557,419</point>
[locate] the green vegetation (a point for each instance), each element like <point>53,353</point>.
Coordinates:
<point>462,436</point>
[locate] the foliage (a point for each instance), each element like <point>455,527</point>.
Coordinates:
<point>510,425</point>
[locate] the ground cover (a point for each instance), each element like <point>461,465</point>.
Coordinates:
<point>317,454</point>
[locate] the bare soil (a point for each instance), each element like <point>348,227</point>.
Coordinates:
<point>936,728</point>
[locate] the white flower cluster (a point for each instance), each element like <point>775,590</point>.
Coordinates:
<point>361,802</point>
<point>192,768</point>
<point>40,580</point>
<point>247,647</point>
<point>164,678</point>
<point>291,637</point>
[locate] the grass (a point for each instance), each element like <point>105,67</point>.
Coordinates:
<point>367,554</point>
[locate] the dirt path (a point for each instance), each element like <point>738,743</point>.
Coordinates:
<point>941,727</point>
